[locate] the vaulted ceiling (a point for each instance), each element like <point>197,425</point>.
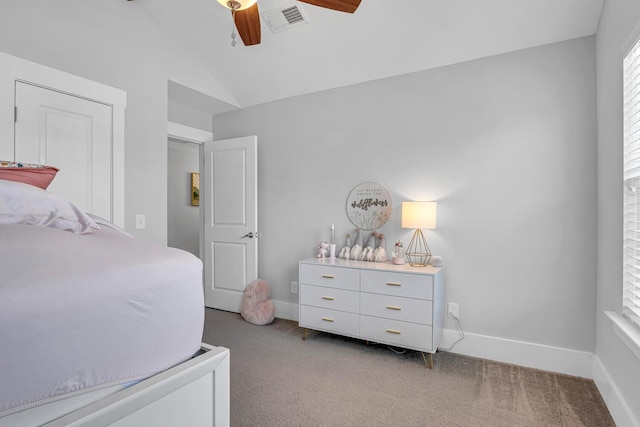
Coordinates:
<point>382,38</point>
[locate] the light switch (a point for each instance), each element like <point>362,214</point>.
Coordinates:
<point>141,221</point>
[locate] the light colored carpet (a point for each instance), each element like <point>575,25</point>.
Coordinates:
<point>277,379</point>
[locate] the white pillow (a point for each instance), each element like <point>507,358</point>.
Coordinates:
<point>25,204</point>
<point>106,223</point>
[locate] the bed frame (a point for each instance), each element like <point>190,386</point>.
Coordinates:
<point>194,393</point>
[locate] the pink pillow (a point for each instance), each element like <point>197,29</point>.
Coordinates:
<point>257,307</point>
<point>37,175</point>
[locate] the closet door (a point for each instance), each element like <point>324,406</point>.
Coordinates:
<point>73,134</point>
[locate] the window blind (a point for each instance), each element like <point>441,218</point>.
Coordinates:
<point>631,159</point>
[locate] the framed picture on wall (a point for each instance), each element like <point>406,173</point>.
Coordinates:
<point>195,189</point>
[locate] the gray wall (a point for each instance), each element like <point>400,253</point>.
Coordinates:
<point>189,116</point>
<point>116,44</point>
<point>183,219</point>
<point>617,30</point>
<point>505,144</point>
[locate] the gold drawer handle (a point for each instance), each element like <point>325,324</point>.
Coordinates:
<point>327,276</point>
<point>326,319</point>
<point>393,331</point>
<point>393,307</point>
<point>394,284</point>
<point>329,298</point>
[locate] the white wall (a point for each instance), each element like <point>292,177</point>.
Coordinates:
<point>112,42</point>
<point>505,144</point>
<point>620,381</point>
<point>187,116</point>
<point>183,219</point>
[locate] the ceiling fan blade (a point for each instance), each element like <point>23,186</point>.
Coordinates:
<point>348,6</point>
<point>248,24</point>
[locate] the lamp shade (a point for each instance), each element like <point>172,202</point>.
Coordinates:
<point>243,4</point>
<point>419,214</point>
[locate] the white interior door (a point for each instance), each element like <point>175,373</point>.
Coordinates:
<point>72,134</point>
<point>229,199</point>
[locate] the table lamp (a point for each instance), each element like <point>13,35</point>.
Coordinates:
<point>419,215</point>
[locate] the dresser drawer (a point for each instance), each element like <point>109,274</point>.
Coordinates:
<point>332,298</point>
<point>339,322</point>
<point>334,277</point>
<point>399,284</point>
<point>397,308</point>
<point>394,332</point>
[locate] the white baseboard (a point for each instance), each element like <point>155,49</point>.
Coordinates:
<point>618,408</point>
<point>286,310</point>
<point>537,356</point>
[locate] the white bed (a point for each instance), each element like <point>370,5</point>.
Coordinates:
<point>99,328</point>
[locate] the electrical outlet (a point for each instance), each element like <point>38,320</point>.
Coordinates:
<point>453,310</point>
<point>141,221</point>
<point>294,287</point>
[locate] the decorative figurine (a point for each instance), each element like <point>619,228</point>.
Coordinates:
<point>323,249</point>
<point>380,253</point>
<point>344,252</point>
<point>367,252</point>
<point>357,245</point>
<point>398,253</point>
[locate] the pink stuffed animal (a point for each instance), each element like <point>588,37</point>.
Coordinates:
<point>257,308</point>
<point>323,249</point>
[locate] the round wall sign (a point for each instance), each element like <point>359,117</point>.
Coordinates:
<point>369,206</point>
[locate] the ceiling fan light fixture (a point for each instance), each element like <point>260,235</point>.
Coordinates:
<point>237,4</point>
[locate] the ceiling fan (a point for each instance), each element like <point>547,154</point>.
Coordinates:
<point>247,18</point>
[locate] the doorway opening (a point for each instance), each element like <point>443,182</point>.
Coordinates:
<point>183,216</point>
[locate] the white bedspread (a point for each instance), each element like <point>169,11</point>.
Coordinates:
<point>80,312</point>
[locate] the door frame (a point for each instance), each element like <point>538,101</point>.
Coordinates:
<point>188,134</point>
<point>180,132</point>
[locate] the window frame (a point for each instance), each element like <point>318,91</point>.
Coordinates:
<point>631,184</point>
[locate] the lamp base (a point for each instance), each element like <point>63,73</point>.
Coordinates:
<point>418,252</point>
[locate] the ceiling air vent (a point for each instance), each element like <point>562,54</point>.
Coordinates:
<point>285,18</point>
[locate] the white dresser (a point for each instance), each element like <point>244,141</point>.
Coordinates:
<point>392,304</point>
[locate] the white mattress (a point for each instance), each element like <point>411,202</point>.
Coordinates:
<point>84,312</point>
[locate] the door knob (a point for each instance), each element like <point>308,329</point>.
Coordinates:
<point>249,235</point>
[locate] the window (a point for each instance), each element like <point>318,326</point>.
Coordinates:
<point>631,238</point>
